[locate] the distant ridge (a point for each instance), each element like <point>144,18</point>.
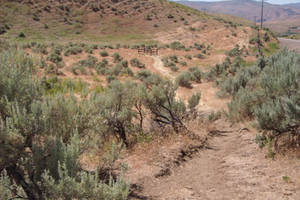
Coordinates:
<point>282,18</point>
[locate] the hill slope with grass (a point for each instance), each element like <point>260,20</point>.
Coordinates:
<point>98,20</point>
<point>92,20</point>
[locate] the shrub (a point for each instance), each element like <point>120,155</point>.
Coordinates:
<point>54,57</point>
<point>124,63</point>
<point>266,37</point>
<point>174,58</point>
<point>214,116</point>
<point>189,57</point>
<point>183,63</point>
<point>193,101</point>
<point>73,50</point>
<point>116,104</point>
<point>40,48</point>
<point>117,69</point>
<point>167,63</point>
<point>116,57</point>
<point>127,71</point>
<point>196,74</point>
<point>170,16</point>
<point>199,46</point>
<point>104,53</point>
<point>90,61</point>
<point>254,40</point>
<point>165,108</point>
<point>21,35</point>
<point>136,63</point>
<point>148,17</point>
<point>88,49</point>
<point>174,68</point>
<point>2,30</point>
<point>52,129</point>
<point>154,79</point>
<point>192,28</point>
<point>184,79</point>
<point>235,51</point>
<point>35,17</point>
<point>268,94</point>
<point>143,74</point>
<point>199,55</point>
<point>177,46</point>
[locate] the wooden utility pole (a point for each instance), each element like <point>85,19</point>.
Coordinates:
<point>262,14</point>
<point>258,29</point>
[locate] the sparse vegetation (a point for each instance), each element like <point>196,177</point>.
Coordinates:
<point>26,115</point>
<point>272,101</point>
<point>103,53</point>
<point>184,79</point>
<point>117,57</point>
<point>136,63</point>
<point>79,98</point>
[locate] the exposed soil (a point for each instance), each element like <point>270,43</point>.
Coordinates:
<point>230,167</point>
<point>225,164</point>
<point>161,69</point>
<point>291,44</point>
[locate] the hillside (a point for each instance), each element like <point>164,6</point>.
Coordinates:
<point>277,17</point>
<point>294,5</point>
<point>124,21</point>
<point>97,20</point>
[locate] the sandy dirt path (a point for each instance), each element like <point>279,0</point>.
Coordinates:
<point>232,167</point>
<point>159,66</point>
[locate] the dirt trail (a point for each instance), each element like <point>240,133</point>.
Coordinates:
<point>159,66</point>
<point>232,167</point>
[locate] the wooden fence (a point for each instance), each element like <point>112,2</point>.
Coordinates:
<point>150,51</point>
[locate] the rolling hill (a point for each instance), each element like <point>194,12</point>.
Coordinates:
<point>117,21</point>
<point>96,20</point>
<point>280,18</point>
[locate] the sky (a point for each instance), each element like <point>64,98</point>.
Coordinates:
<point>271,1</point>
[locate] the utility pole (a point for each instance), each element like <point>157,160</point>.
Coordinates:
<point>262,14</point>
<point>258,29</point>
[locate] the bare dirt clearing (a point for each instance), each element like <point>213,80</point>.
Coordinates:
<point>290,44</point>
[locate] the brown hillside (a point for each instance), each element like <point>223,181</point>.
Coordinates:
<point>121,21</point>
<point>93,20</point>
